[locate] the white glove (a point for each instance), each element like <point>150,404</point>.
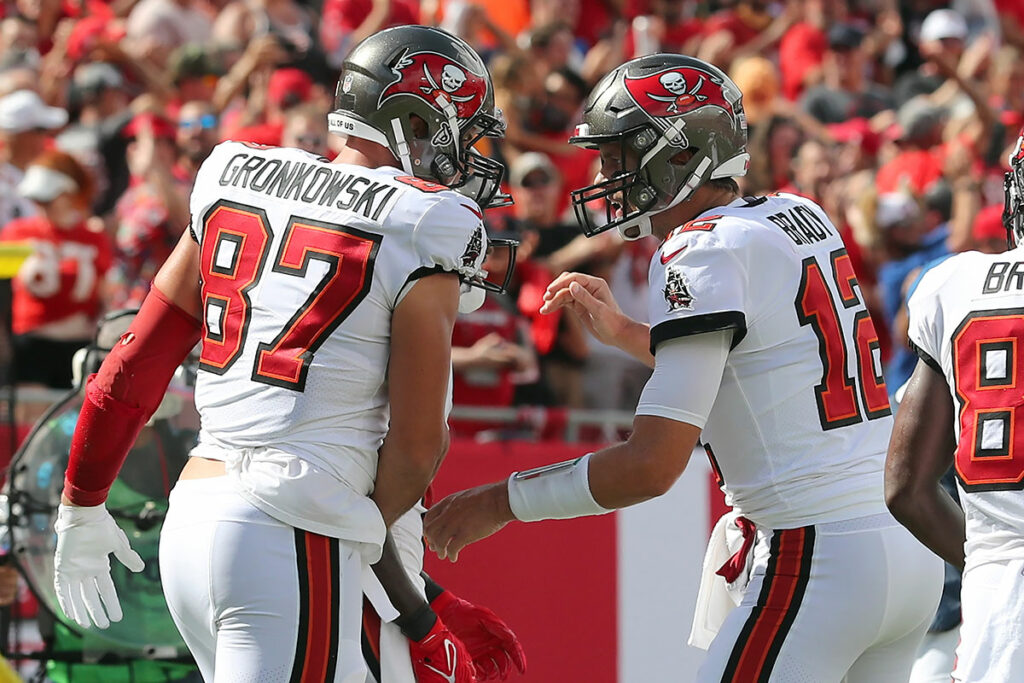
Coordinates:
<point>81,566</point>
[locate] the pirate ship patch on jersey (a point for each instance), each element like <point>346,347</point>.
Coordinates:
<point>473,249</point>
<point>438,81</point>
<point>677,290</point>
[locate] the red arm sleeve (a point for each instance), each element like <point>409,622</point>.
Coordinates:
<point>124,394</point>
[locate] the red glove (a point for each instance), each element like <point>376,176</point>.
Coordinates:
<point>439,657</point>
<point>492,644</point>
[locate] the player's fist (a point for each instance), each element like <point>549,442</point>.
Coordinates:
<point>491,643</point>
<point>440,657</point>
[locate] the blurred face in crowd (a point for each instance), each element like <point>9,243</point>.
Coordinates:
<point>306,131</point>
<point>197,130</point>
<point>17,34</point>
<point>812,167</point>
<point>782,144</point>
<point>66,211</point>
<point>844,68</point>
<point>537,197</point>
<point>26,145</point>
<point>564,100</point>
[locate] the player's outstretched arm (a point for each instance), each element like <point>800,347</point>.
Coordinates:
<point>920,451</point>
<point>644,467</point>
<point>590,299</point>
<point>418,372</point>
<point>118,401</point>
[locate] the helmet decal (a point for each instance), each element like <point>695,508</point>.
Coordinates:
<point>439,81</point>
<point>677,90</point>
<point>1018,152</point>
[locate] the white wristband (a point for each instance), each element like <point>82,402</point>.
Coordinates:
<point>559,491</point>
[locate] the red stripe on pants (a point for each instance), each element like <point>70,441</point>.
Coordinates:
<point>779,600</point>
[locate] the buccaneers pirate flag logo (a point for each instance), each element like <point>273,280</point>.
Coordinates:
<point>439,81</point>
<point>676,90</point>
<point>677,291</point>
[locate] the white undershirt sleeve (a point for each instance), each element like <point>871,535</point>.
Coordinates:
<point>687,373</point>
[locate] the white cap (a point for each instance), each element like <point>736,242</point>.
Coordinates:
<point>895,208</point>
<point>44,184</point>
<point>944,23</point>
<point>24,110</point>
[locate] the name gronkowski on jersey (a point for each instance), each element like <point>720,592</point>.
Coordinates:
<point>303,263</point>
<point>799,428</point>
<point>967,322</point>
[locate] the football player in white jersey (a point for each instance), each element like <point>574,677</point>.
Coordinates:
<point>961,408</point>
<point>761,347</point>
<point>324,296</point>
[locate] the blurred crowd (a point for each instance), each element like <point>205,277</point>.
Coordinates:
<point>896,115</point>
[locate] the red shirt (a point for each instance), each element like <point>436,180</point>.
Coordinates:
<point>1011,8</point>
<point>261,134</point>
<point>492,387</point>
<point>920,168</point>
<point>62,278</point>
<point>802,48</point>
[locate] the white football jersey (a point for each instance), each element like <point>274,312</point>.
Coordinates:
<point>967,322</point>
<point>303,263</point>
<point>798,431</point>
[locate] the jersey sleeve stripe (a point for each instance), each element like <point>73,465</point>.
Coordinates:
<point>928,360</point>
<point>699,324</point>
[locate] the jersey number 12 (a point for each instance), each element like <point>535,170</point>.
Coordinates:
<point>815,306</point>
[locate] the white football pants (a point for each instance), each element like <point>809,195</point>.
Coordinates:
<point>848,600</point>
<point>991,646</point>
<point>256,600</point>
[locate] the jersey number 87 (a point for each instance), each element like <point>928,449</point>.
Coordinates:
<point>236,240</point>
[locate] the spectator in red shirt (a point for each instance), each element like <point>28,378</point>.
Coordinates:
<point>57,290</point>
<point>919,164</point>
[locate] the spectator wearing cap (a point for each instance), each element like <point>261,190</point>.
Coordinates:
<point>151,215</point>
<point>57,292</point>
<point>845,92</point>
<point>550,246</point>
<point>287,88</point>
<point>943,35</point>
<point>919,162</point>
<point>26,124</point>
<point>196,137</point>
<point>194,72</point>
<point>99,104</point>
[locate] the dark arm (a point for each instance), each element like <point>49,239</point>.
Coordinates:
<point>415,616</point>
<point>920,452</point>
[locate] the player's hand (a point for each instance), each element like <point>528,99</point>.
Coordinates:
<point>81,568</point>
<point>466,517</point>
<point>590,299</point>
<point>491,643</point>
<point>440,657</point>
